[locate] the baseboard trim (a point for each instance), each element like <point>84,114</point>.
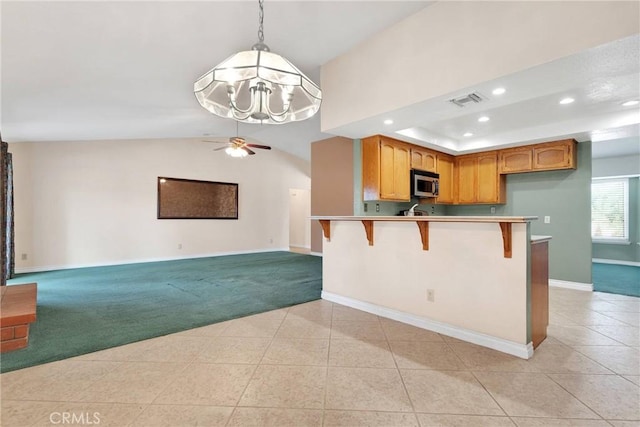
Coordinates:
<point>615,261</point>
<point>588,287</point>
<point>499,344</point>
<point>38,269</point>
<point>316,253</point>
<point>300,246</point>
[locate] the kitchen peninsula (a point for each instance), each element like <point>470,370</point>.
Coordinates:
<point>481,279</point>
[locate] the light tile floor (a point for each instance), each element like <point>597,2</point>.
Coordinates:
<point>323,364</point>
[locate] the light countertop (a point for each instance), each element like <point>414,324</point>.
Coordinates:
<point>429,218</point>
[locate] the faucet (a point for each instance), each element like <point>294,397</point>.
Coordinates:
<point>411,210</point>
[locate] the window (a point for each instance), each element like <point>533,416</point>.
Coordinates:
<point>610,210</point>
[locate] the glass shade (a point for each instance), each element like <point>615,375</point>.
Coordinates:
<point>258,86</point>
<point>236,152</point>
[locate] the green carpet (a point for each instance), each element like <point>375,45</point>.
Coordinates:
<point>616,279</point>
<point>84,310</point>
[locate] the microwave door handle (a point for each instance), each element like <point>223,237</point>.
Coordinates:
<point>437,188</point>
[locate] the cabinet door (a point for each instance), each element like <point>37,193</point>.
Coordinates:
<point>559,155</point>
<point>488,184</point>
<point>446,171</point>
<point>516,160</point>
<point>423,159</point>
<point>402,173</point>
<point>467,179</point>
<point>371,168</point>
<point>387,171</point>
<point>395,168</point>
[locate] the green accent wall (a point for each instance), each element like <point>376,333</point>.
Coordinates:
<point>565,196</point>
<point>630,252</point>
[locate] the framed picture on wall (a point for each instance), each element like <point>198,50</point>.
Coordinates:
<point>192,199</point>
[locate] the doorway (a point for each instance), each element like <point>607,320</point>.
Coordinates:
<point>299,222</point>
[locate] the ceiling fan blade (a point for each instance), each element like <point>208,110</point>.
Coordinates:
<point>251,153</point>
<point>216,142</point>
<point>264,147</point>
<point>221,148</point>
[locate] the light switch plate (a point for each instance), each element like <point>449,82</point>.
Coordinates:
<point>547,220</point>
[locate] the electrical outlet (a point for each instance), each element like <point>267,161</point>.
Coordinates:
<point>377,207</point>
<point>547,220</point>
<point>493,209</point>
<point>179,245</point>
<point>431,295</point>
<point>23,257</point>
<point>433,210</point>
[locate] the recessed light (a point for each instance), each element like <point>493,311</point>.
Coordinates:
<point>467,134</point>
<point>499,91</point>
<point>388,122</point>
<point>630,103</point>
<point>483,119</point>
<point>565,101</point>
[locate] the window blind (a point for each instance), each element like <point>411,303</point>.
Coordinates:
<point>610,209</point>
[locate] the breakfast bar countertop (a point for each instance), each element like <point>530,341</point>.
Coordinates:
<point>430,218</point>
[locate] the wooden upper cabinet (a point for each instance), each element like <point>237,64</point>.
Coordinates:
<point>467,179</point>
<point>515,160</point>
<point>491,186</point>
<point>539,157</point>
<point>385,169</point>
<point>422,159</point>
<point>395,176</point>
<point>445,168</point>
<point>555,155</point>
<point>478,180</point>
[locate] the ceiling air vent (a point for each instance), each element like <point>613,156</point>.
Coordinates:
<point>472,98</point>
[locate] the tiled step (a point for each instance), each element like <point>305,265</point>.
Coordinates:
<point>17,310</point>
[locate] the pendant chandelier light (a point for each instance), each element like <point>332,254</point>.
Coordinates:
<point>258,86</point>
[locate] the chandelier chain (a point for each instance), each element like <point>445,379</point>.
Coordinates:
<point>261,19</point>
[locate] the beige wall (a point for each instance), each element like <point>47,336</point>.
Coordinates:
<point>94,203</point>
<point>477,291</point>
<point>456,44</point>
<point>331,182</point>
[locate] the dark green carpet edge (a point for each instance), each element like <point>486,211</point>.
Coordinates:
<point>80,311</point>
<point>616,279</point>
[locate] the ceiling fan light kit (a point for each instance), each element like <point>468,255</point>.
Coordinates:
<point>236,152</point>
<point>238,147</point>
<point>258,86</point>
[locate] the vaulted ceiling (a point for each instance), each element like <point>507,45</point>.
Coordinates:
<point>84,71</point>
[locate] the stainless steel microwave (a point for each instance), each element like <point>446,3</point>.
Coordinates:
<point>424,184</point>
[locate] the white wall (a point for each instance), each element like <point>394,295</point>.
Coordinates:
<point>456,44</point>
<point>95,203</point>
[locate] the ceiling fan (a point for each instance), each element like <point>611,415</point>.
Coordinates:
<point>237,146</point>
